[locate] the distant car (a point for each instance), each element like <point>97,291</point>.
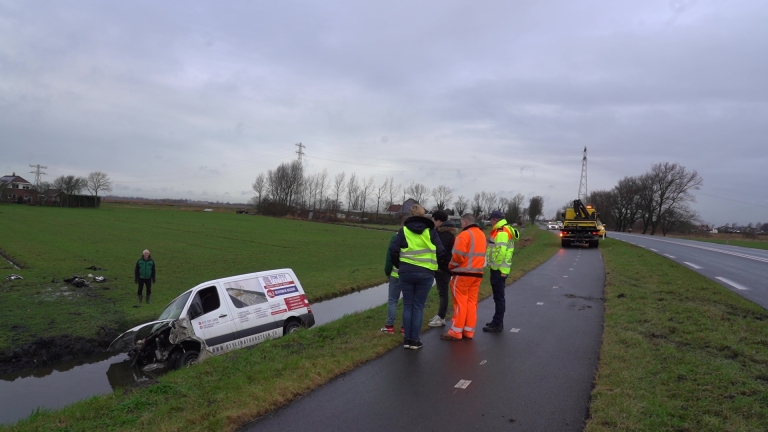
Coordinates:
<point>552,225</point>
<point>208,210</point>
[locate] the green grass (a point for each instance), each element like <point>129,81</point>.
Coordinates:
<point>224,392</point>
<point>190,247</point>
<point>755,244</point>
<point>679,353</point>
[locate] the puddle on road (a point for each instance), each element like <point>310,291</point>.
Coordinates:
<point>59,385</point>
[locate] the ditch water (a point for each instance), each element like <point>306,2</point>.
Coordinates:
<point>59,385</point>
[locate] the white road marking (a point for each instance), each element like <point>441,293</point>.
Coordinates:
<point>565,276</point>
<point>555,287</point>
<point>692,265</point>
<point>654,250</point>
<point>570,269</point>
<point>689,244</point>
<point>668,255</point>
<point>732,283</point>
<point>514,330</point>
<point>484,362</point>
<point>539,303</point>
<point>462,384</point>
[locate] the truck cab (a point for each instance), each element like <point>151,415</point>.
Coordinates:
<point>219,316</point>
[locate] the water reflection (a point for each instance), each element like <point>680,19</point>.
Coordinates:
<point>67,382</point>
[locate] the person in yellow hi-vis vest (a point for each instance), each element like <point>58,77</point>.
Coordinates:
<point>499,258</point>
<point>414,253</point>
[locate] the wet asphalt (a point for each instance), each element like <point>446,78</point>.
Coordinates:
<point>536,375</point>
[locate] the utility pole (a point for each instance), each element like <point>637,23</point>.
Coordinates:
<point>583,182</point>
<point>300,151</point>
<point>38,173</point>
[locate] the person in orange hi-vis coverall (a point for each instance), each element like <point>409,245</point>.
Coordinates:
<point>467,263</point>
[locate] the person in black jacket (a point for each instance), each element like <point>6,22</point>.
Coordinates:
<point>416,263</point>
<point>447,233</point>
<point>144,274</point>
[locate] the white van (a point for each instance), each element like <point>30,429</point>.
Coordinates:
<point>219,316</point>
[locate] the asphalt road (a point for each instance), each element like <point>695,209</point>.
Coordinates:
<point>537,375</point>
<point>742,270</point>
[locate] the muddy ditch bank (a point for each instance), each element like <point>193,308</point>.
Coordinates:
<point>46,351</point>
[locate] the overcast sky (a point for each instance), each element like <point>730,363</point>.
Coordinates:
<point>194,99</point>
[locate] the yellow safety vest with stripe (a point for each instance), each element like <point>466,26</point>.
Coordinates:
<point>501,247</point>
<point>420,251</point>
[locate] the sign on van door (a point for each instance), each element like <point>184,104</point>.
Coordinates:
<point>215,325</point>
<point>251,307</point>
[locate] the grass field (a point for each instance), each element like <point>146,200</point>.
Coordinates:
<point>731,239</point>
<point>190,247</point>
<point>679,353</point>
<point>224,392</point>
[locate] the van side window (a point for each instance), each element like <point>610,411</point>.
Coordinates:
<point>247,292</point>
<point>208,299</point>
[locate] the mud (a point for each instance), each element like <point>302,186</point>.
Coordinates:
<point>46,351</point>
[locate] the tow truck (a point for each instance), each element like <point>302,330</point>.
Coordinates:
<point>581,226</point>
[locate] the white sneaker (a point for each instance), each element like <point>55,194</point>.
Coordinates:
<point>436,322</point>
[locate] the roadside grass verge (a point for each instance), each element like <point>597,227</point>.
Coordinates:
<point>755,244</point>
<point>190,247</point>
<point>225,392</point>
<point>679,352</point>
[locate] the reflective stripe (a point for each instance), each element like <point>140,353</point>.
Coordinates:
<point>415,252</point>
<point>426,260</point>
<point>456,329</point>
<point>469,329</point>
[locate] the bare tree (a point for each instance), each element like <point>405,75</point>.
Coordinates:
<point>419,192</point>
<point>535,208</point>
<point>626,203</point>
<point>489,201</point>
<point>678,217</point>
<point>460,205</point>
<point>338,189</point>
<point>477,204</point>
<point>70,185</point>
<point>673,186</point>
<point>284,183</point>
<point>380,191</point>
<point>393,191</point>
<point>322,188</point>
<point>259,186</point>
<point>366,189</point>
<point>514,211</point>
<point>352,192</point>
<point>443,196</point>
<point>98,181</point>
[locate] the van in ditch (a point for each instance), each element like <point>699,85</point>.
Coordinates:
<point>219,316</point>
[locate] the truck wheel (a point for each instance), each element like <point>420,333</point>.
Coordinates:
<point>188,358</point>
<point>291,326</point>
<point>597,243</point>
<point>565,243</point>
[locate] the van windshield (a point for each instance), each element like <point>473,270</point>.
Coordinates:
<point>173,310</point>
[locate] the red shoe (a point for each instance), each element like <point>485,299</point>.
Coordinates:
<point>402,330</point>
<point>388,329</point>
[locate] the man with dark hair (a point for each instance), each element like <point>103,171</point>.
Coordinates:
<point>447,233</point>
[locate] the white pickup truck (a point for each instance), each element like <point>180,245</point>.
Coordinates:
<point>219,316</point>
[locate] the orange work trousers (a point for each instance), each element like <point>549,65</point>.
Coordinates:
<point>465,291</point>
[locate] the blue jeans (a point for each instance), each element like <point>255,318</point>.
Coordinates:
<point>394,297</point>
<point>498,284</point>
<point>415,288</point>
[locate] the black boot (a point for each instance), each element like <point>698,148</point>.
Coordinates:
<point>147,298</point>
<point>140,297</point>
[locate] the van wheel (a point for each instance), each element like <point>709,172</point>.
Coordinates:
<point>565,243</point>
<point>188,358</point>
<point>291,327</point>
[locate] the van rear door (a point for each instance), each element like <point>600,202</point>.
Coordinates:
<point>212,320</point>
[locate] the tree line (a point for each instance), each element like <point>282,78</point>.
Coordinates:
<point>71,185</point>
<point>288,189</point>
<point>658,200</point>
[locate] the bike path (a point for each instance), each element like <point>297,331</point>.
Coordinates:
<point>536,375</point>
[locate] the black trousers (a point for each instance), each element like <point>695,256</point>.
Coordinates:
<point>498,284</point>
<point>442,279</point>
<point>148,283</point>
